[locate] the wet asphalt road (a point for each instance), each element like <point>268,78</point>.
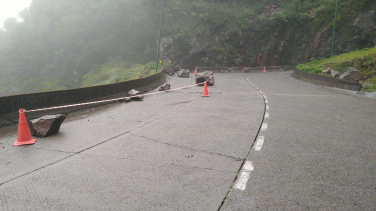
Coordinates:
<point>319,150</point>
<point>179,151</point>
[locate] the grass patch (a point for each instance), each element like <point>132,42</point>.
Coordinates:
<point>363,60</point>
<point>116,71</point>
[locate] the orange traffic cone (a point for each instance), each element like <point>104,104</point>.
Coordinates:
<point>264,69</point>
<point>24,136</point>
<point>205,92</point>
<point>195,71</point>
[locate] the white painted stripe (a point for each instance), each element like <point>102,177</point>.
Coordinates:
<point>267,107</point>
<point>264,126</point>
<point>266,115</point>
<point>248,166</point>
<point>241,183</point>
<point>259,143</point>
<point>266,101</point>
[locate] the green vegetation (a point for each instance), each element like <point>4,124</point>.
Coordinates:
<point>363,60</point>
<point>117,71</point>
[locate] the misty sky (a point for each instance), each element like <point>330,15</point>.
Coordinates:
<point>11,8</point>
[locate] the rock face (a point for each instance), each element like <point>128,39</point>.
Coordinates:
<point>183,73</point>
<point>168,70</point>
<point>205,76</point>
<point>135,95</point>
<point>274,47</point>
<point>352,75</point>
<point>165,87</point>
<point>46,125</point>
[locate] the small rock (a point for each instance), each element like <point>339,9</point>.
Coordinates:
<point>46,125</point>
<point>205,76</point>
<point>168,70</point>
<point>133,92</point>
<point>177,68</point>
<point>327,71</point>
<point>352,75</point>
<point>183,73</point>
<point>135,95</point>
<point>247,69</point>
<point>126,99</point>
<point>165,87</point>
<point>334,73</point>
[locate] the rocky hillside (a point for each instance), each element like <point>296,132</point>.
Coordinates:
<point>258,33</point>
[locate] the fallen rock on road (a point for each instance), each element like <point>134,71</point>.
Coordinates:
<point>46,125</point>
<point>165,87</point>
<point>205,76</point>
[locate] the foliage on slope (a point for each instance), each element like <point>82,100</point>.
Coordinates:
<point>364,61</point>
<point>266,32</point>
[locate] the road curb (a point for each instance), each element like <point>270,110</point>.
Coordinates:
<point>325,81</point>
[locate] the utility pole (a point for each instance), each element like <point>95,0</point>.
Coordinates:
<point>334,28</point>
<point>159,43</point>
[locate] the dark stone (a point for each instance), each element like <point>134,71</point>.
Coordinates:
<point>168,70</point>
<point>205,76</point>
<point>352,75</point>
<point>177,68</point>
<point>46,125</point>
<point>183,73</point>
<point>165,87</point>
<point>334,73</point>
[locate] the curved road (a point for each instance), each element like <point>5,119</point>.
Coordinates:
<point>179,151</point>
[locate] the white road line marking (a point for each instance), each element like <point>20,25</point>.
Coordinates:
<point>264,126</point>
<point>267,107</point>
<point>259,143</point>
<point>266,101</point>
<point>266,115</point>
<point>248,166</point>
<point>241,184</point>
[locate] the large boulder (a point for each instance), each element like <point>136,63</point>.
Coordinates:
<point>168,70</point>
<point>352,75</point>
<point>205,76</point>
<point>183,73</point>
<point>165,87</point>
<point>135,95</point>
<point>46,125</point>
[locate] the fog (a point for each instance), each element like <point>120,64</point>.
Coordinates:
<point>61,43</point>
